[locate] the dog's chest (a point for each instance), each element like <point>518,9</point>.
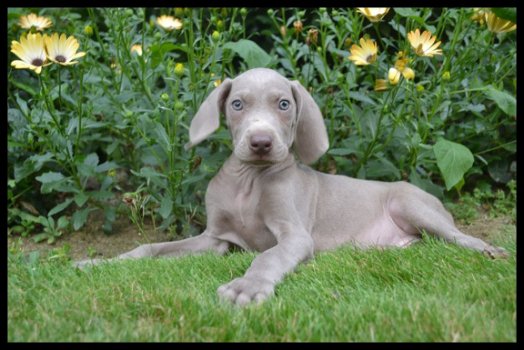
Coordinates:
<point>240,217</point>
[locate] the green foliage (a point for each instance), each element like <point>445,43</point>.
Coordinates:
<point>486,199</point>
<point>82,136</point>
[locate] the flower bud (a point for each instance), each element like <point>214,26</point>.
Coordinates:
<point>164,97</point>
<point>408,73</point>
<point>347,43</point>
<point>215,36</point>
<point>381,85</point>
<point>270,12</point>
<point>312,36</point>
<point>298,26</point>
<point>283,31</point>
<point>179,69</point>
<point>393,76</point>
<point>179,12</point>
<point>243,12</point>
<point>420,88</point>
<point>446,75</point>
<point>179,105</point>
<point>88,30</point>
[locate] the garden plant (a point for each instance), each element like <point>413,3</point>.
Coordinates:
<point>100,101</point>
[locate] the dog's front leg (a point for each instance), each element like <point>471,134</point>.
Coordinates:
<point>269,268</point>
<point>193,245</point>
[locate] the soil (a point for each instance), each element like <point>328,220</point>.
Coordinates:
<point>92,240</point>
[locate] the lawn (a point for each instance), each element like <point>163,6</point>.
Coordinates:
<point>432,291</point>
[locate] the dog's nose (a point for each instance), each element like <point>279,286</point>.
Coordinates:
<point>260,144</point>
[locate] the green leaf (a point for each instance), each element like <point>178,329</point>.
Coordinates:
<point>250,52</point>
<point>158,52</point>
<point>81,198</point>
<point>163,137</point>
<point>361,97</point>
<point>504,100</point>
<point>453,160</point>
<point>425,184</point>
<point>91,160</point>
<point>63,222</point>
<point>507,13</point>
<point>80,218</point>
<point>31,165</point>
<point>58,208</point>
<point>381,167</point>
<point>50,177</point>
<point>406,12</point>
<point>109,218</point>
<point>22,86</point>
<point>166,206</point>
<point>23,105</point>
<point>105,166</point>
<point>340,151</point>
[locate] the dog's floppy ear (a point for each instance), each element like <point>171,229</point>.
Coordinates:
<point>311,139</point>
<point>207,118</point>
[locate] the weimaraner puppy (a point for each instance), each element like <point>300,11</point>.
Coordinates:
<point>262,199</point>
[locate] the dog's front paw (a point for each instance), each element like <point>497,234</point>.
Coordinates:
<point>496,252</point>
<point>245,290</point>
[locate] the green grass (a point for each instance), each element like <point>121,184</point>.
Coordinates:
<point>432,291</point>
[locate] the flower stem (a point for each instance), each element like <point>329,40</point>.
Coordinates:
<point>375,25</point>
<point>59,87</point>
<point>50,109</point>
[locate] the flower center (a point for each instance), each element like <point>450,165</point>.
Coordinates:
<point>60,58</point>
<point>37,62</point>
<point>371,58</point>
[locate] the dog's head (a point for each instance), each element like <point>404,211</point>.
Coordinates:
<point>266,114</point>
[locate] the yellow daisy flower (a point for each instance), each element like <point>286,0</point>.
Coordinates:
<point>364,54</point>
<point>497,24</point>
<point>137,48</point>
<point>31,51</point>
<point>32,20</point>
<point>62,50</point>
<point>169,22</point>
<point>393,76</point>
<point>374,14</point>
<point>478,15</point>
<point>423,44</point>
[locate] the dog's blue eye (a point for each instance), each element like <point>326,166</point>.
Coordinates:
<point>283,105</point>
<point>237,105</point>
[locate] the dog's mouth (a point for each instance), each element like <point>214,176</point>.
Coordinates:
<point>273,157</point>
<point>261,161</point>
